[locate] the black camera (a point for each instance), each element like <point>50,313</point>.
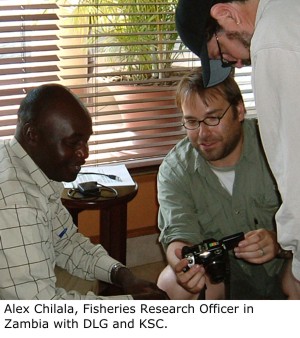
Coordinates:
<point>213,255</point>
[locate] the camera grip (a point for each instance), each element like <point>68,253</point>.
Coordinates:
<point>186,253</point>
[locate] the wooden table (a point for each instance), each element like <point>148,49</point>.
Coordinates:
<point>112,220</point>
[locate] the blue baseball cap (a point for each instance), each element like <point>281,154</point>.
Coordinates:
<point>191,19</point>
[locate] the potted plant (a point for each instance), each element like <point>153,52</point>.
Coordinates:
<point>138,42</point>
<point>145,39</point>
<point>141,38</point>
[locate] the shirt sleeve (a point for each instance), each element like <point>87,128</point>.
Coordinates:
<point>177,217</point>
<point>30,247</point>
<point>76,253</point>
<point>277,99</point>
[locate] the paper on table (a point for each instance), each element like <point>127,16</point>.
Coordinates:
<point>94,173</point>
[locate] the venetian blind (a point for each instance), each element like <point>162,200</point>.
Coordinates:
<point>123,58</point>
<point>28,54</point>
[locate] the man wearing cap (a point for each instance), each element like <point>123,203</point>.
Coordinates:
<point>267,32</point>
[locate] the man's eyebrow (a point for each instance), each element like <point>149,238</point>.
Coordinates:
<point>213,111</point>
<point>79,134</point>
<point>75,135</point>
<point>206,114</point>
<point>191,117</point>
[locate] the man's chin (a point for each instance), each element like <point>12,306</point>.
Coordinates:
<point>65,177</point>
<point>64,173</point>
<point>69,178</point>
<point>72,173</point>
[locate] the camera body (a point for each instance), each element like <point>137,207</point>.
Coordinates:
<point>213,255</point>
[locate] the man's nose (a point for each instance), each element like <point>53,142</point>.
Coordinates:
<point>239,64</point>
<point>203,130</point>
<point>83,152</point>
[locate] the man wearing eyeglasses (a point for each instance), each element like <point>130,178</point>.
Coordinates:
<point>265,33</point>
<point>214,183</point>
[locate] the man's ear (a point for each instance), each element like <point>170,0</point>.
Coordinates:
<point>30,134</point>
<point>241,110</point>
<point>222,12</point>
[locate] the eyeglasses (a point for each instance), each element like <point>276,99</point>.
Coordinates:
<point>192,124</point>
<point>225,63</point>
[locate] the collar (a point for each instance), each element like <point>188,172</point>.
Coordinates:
<point>260,9</point>
<point>50,188</point>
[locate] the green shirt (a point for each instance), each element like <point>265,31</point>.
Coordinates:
<point>194,205</point>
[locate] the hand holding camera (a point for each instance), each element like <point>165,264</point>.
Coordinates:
<point>213,255</point>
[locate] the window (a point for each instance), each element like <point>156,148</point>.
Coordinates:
<point>123,58</point>
<point>28,54</point>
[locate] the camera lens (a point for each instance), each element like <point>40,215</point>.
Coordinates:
<point>216,271</point>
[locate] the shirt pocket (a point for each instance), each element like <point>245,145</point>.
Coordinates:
<point>264,214</point>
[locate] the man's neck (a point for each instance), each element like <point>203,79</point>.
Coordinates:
<point>248,12</point>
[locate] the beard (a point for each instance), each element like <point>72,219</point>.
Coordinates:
<point>218,153</point>
<point>245,40</point>
<point>223,146</point>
